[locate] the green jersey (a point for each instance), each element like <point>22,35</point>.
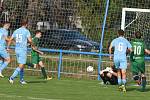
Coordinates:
<point>138,47</point>
<point>34,55</point>
<point>35,41</point>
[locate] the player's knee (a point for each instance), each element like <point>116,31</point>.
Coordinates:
<point>136,77</point>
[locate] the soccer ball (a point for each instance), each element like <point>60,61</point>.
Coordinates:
<point>90,69</point>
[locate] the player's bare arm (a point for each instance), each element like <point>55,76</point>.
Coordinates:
<point>30,42</point>
<point>130,50</point>
<point>38,51</point>
<point>147,51</point>
<point>110,51</point>
<point>33,47</point>
<point>9,42</point>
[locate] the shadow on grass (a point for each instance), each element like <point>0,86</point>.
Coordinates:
<point>34,82</point>
<point>138,89</point>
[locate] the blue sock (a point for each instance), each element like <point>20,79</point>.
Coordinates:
<point>4,65</point>
<point>119,80</point>
<point>16,72</point>
<point>124,81</point>
<point>22,75</point>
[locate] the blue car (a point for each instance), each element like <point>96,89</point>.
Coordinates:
<point>67,40</point>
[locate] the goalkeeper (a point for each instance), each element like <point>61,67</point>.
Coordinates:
<point>137,60</point>
<point>109,75</point>
<point>35,58</point>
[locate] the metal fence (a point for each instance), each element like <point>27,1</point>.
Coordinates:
<point>97,20</point>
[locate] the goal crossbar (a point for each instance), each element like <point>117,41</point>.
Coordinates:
<point>124,10</point>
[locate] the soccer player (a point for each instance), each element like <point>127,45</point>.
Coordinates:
<point>5,58</point>
<point>21,36</point>
<point>109,75</point>
<point>120,45</point>
<point>35,58</point>
<point>137,60</point>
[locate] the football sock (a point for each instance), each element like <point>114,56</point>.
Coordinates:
<point>143,82</point>
<point>4,65</point>
<point>22,75</point>
<point>16,72</point>
<point>119,80</point>
<point>124,81</point>
<point>44,72</point>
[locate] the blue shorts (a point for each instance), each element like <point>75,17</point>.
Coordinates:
<point>4,54</point>
<point>120,63</point>
<point>21,56</point>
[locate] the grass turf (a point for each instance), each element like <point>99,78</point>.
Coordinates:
<point>39,89</point>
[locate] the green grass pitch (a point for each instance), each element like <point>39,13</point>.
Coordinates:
<point>39,89</point>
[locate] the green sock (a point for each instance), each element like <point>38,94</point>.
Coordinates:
<point>143,83</point>
<point>44,72</point>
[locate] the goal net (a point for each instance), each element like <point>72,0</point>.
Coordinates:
<point>135,19</point>
<point>66,24</point>
<point>72,25</point>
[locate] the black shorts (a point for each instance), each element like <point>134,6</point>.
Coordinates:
<point>113,80</point>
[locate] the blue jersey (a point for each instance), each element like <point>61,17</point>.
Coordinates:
<point>3,35</point>
<point>120,45</point>
<point>21,36</point>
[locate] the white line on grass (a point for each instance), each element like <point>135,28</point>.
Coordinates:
<point>31,98</point>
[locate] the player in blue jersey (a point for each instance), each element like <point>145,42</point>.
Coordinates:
<point>5,58</point>
<point>120,46</point>
<point>21,37</point>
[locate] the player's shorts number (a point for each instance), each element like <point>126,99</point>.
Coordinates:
<point>18,38</point>
<point>120,47</point>
<point>137,50</point>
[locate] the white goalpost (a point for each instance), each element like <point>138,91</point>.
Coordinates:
<point>134,10</point>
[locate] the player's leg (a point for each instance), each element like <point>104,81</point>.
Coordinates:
<point>44,71</point>
<point>137,78</point>
<point>135,71</point>
<point>119,77</point>
<point>114,80</point>
<point>123,67</point>
<point>117,64</point>
<point>143,77</point>
<point>123,71</point>
<point>21,59</point>
<point>15,73</point>
<point>103,78</point>
<point>6,61</point>
<point>34,60</point>
<point>143,82</point>
<point>22,75</point>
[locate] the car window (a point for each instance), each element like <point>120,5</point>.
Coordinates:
<point>80,36</point>
<point>66,35</point>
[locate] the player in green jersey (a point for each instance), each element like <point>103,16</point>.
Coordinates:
<point>35,58</point>
<point>137,60</point>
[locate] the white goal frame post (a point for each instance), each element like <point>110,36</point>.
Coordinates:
<point>137,10</point>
